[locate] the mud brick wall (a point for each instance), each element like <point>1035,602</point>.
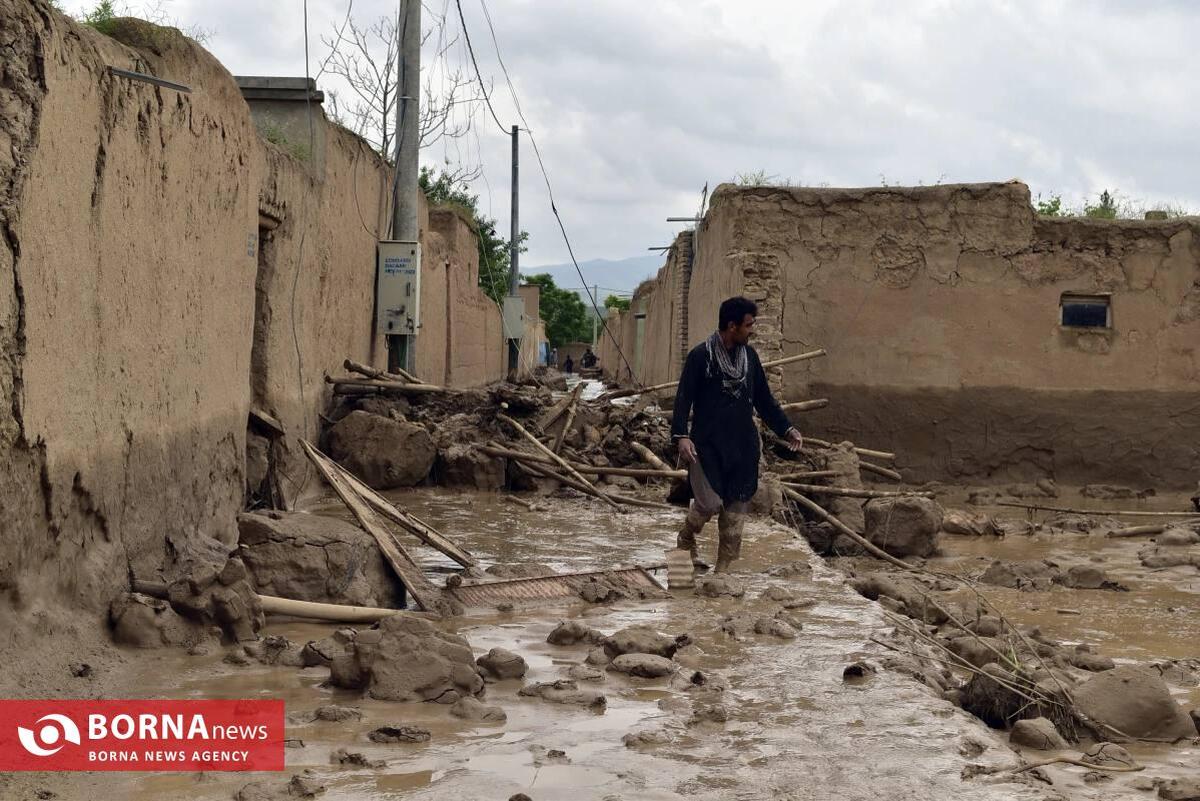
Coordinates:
<point>939,307</point>
<point>151,244</point>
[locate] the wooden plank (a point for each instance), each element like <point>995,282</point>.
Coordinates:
<point>406,520</point>
<point>403,387</point>
<point>419,587</point>
<point>267,421</point>
<point>566,429</point>
<point>371,372</point>
<point>561,462</point>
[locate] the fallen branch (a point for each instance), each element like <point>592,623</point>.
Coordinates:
<point>1100,512</point>
<point>883,471</point>
<point>586,469</point>
<point>884,455</point>
<point>403,387</point>
<point>852,492</point>
<point>572,406</point>
<point>545,471</point>
<point>1150,530</point>
<point>650,457</point>
<point>871,547</point>
<point>371,372</point>
<point>805,406</point>
<point>591,490</point>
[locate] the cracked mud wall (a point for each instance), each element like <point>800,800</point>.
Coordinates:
<point>127,305</point>
<point>939,307</point>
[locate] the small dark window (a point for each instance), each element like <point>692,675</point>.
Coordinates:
<point>1086,311</point>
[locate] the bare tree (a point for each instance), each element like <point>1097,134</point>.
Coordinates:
<point>365,59</point>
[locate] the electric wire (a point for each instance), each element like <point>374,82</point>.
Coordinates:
<point>482,88</point>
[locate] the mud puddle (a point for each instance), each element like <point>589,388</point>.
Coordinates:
<point>795,730</point>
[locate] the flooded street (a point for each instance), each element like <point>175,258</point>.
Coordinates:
<point>794,729</point>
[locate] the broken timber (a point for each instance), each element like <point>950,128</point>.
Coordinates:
<point>651,458</point>
<point>1100,512</point>
<point>852,492</point>
<point>561,462</point>
<point>572,406</point>
<point>627,393</point>
<point>357,386</point>
<point>549,588</point>
<point>419,587</point>
<point>371,372</point>
<point>805,406</point>
<point>586,469</point>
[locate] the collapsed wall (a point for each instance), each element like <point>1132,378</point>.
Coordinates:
<point>163,270</point>
<point>940,309</point>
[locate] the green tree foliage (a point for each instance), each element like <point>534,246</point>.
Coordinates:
<point>1105,208</point>
<point>101,17</point>
<point>567,319</point>
<point>443,190</point>
<point>1050,207</point>
<point>614,302</point>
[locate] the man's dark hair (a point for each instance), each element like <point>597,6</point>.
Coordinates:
<point>734,311</point>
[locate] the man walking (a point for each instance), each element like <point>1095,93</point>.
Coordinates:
<point>723,382</point>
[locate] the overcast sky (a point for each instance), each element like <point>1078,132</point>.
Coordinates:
<point>636,104</point>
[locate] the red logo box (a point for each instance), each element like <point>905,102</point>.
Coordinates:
<point>141,735</point>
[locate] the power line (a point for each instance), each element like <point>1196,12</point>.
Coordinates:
<point>478,74</point>
<point>545,175</point>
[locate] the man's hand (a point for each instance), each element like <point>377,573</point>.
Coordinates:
<point>687,451</point>
<point>794,442</point>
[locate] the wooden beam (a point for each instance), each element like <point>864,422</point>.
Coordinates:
<point>561,462</point>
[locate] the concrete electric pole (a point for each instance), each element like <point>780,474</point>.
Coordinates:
<point>511,312</point>
<point>401,347</point>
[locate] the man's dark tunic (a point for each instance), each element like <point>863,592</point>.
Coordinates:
<point>723,429</point>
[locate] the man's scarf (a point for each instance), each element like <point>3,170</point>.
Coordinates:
<point>733,368</point>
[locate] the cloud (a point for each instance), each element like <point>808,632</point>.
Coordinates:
<point>636,105</point>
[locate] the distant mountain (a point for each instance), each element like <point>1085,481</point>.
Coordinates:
<point>613,276</point>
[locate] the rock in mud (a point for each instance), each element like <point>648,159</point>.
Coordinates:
<point>647,666</point>
<point>978,651</point>
<point>768,497</point>
<point>908,597</point>
<point>775,627</point>
<point>276,650</point>
<point>1156,558</point>
<point>795,569</point>
<point>842,458</point>
<point>354,759</point>
<point>303,785</point>
<point>784,597</point>
<point>463,465</point>
<point>597,657</point>
<point>324,651</point>
<point>720,586</point>
<point>1184,789</point>
<point>644,640</point>
<point>904,526</point>
<point>310,557</point>
<point>564,691</point>
<point>333,713</point>
<point>585,673</point>
<point>1136,701</point>
<point>406,658</point>
<point>1108,754</point>
<point>384,453</point>
<point>1038,734</point>
<point>1111,492</point>
<point>469,708</point>
<point>399,734</point>
<point>1177,538</point>
<point>1083,658</point>
<point>986,626</point>
<point>969,524</point>
<point>573,632</point>
<point>145,622</point>
<point>991,697</point>
<point>640,739</point>
<point>1088,577</point>
<point>500,663</point>
<point>212,588</point>
<point>1015,528</point>
<point>1033,575</point>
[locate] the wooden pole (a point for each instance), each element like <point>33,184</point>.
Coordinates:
<point>371,372</point>
<point>850,492</point>
<point>571,407</point>
<point>545,471</point>
<point>334,613</point>
<point>406,520</point>
<point>403,387</point>
<point>422,591</point>
<point>810,474</point>
<point>883,471</point>
<point>585,469</point>
<point>871,547</point>
<point>806,406</point>
<point>561,462</point>
<point>1150,530</point>
<point>625,393</point>
<point>650,457</point>
<point>1101,512</point>
<point>884,455</point>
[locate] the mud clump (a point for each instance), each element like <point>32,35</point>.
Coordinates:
<point>303,785</point>
<point>1028,576</point>
<point>314,558</point>
<point>399,734</point>
<point>970,524</point>
<point>383,452</point>
<point>647,666</point>
<point>904,526</point>
<point>145,622</point>
<point>470,708</point>
<point>462,465</point>
<point>332,713</point>
<point>643,640</point>
<point>720,586</point>
<point>1089,577</point>
<point>573,632</point>
<point>565,691</point>
<point>408,659</point>
<point>1136,702</point>
<point>1038,734</point>
<point>500,663</point>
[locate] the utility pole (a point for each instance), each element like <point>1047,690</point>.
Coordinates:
<point>595,314</point>
<point>401,347</point>
<point>512,307</point>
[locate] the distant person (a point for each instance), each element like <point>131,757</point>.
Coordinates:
<point>568,365</point>
<point>723,383</point>
<point>588,361</point>
<point>554,357</point>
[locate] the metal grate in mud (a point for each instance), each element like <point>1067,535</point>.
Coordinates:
<point>541,589</point>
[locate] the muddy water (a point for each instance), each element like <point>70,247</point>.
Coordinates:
<point>795,730</point>
<point>1157,619</point>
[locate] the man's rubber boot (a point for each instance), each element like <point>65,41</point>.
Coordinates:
<point>693,524</point>
<point>729,539</point>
